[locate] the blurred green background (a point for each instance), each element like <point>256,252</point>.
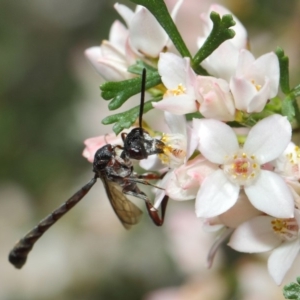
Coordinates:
<point>50,102</point>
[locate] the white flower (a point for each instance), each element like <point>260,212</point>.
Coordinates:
<point>264,233</point>
<point>240,167</point>
<point>184,182</point>
<point>112,59</point>
<point>179,79</point>
<point>255,81</point>
<point>215,98</point>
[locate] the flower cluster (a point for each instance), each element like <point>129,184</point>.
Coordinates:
<point>229,141</point>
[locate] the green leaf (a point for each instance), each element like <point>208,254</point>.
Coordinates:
<point>120,91</point>
<point>292,290</point>
<point>218,35</point>
<point>288,108</point>
<point>284,70</point>
<point>127,118</point>
<point>295,92</point>
<point>139,66</point>
<point>160,11</point>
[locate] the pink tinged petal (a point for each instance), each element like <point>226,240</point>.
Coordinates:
<point>118,34</point>
<point>259,100</point>
<point>268,138</point>
<point>243,92</point>
<point>178,105</point>
<point>255,236</point>
<point>217,140</point>
<point>216,195</point>
<point>125,12</point>
<point>146,34</point>
<point>173,70</point>
<point>177,191</point>
<point>217,105</point>
<point>271,195</point>
<point>267,66</point>
<point>282,258</point>
<point>112,68</point>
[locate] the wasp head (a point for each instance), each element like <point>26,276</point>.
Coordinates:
<point>138,144</point>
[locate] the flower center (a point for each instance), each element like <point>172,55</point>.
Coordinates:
<point>174,149</point>
<point>257,86</point>
<point>286,229</point>
<point>176,92</point>
<point>294,162</point>
<point>241,168</point>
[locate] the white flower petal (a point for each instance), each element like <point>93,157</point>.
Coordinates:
<point>243,91</point>
<point>245,60</point>
<point>173,70</point>
<point>271,195</point>
<point>178,105</point>
<point>268,66</point>
<point>118,34</point>
<point>216,195</point>
<point>176,123</point>
<point>268,138</point>
<point>125,12</point>
<point>217,140</point>
<point>152,163</point>
<point>259,100</point>
<point>255,236</point>
<point>282,259</point>
<point>146,34</point>
<point>222,62</point>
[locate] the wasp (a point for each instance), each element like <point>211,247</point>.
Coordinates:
<point>119,179</point>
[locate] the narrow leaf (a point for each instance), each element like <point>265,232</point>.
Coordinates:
<point>218,35</point>
<point>127,118</point>
<point>284,70</point>
<point>120,91</point>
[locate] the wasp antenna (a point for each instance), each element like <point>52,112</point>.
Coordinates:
<point>143,89</point>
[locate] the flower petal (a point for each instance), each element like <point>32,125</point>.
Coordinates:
<point>271,195</point>
<point>173,70</point>
<point>146,34</point>
<point>217,140</point>
<point>282,259</point>
<point>255,236</point>
<point>176,123</point>
<point>216,195</point>
<point>177,105</point>
<point>268,138</point>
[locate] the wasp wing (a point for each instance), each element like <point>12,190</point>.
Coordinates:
<point>127,212</point>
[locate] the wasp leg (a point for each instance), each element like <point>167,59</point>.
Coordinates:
<point>132,189</point>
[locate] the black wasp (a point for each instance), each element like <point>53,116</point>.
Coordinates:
<point>119,179</point>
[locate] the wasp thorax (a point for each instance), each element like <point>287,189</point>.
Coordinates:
<point>242,168</point>
<point>102,157</point>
